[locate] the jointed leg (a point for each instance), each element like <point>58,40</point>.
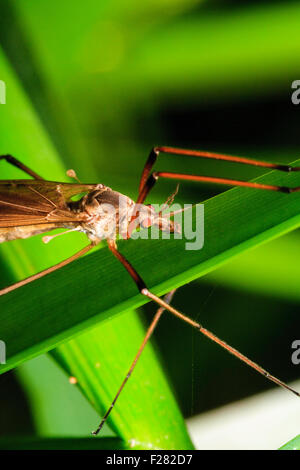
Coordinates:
<point>208,179</point>
<point>144,290</point>
<point>47,271</point>
<point>13,161</point>
<point>148,180</point>
<point>150,330</point>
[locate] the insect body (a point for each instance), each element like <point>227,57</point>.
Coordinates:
<point>29,207</point>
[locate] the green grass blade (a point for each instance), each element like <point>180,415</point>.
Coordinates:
<point>52,400</point>
<point>293,444</point>
<point>24,136</point>
<point>212,45</point>
<point>235,221</point>
<point>40,329</point>
<point>206,44</point>
<point>146,413</point>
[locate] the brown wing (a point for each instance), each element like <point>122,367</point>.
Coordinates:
<point>29,202</point>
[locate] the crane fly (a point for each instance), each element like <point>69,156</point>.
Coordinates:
<point>33,206</point>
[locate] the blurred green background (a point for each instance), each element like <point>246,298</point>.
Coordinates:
<point>111,79</point>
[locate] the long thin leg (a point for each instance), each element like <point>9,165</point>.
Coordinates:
<point>13,161</point>
<point>202,154</point>
<point>144,290</point>
<point>149,332</point>
<point>47,271</point>
<point>207,179</point>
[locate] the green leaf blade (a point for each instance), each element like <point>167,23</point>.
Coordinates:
<point>24,137</point>
<point>293,444</point>
<point>235,221</point>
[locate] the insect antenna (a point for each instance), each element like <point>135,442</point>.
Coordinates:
<point>179,211</point>
<point>170,199</point>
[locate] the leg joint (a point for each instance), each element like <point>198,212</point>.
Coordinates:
<point>6,157</point>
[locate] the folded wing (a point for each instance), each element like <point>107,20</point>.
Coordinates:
<point>30,202</point>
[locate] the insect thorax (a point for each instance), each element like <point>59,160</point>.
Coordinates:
<point>108,213</point>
